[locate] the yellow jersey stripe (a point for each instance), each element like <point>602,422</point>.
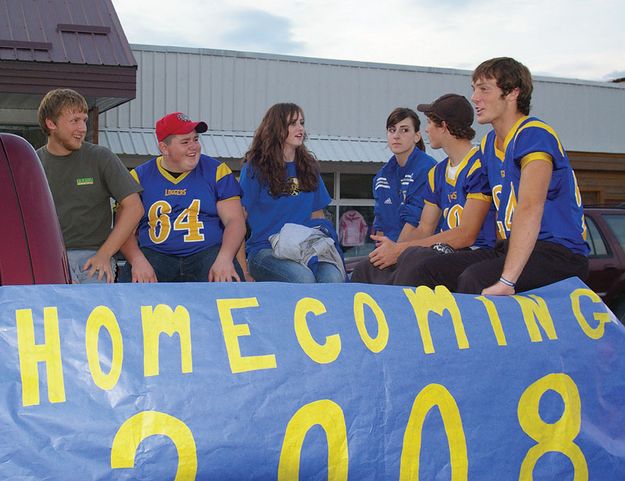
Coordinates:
<point>167,175</point>
<point>544,156</point>
<point>476,165</point>
<point>431,178</point>
<point>222,171</point>
<point>544,126</point>
<point>480,196</point>
<point>234,197</point>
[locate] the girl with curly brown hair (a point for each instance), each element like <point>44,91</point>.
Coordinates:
<point>281,184</point>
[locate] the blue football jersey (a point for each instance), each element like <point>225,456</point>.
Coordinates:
<point>181,212</point>
<point>529,140</point>
<point>450,194</point>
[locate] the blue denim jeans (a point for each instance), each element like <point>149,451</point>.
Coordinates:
<point>170,268</point>
<point>265,267</point>
<point>76,258</point>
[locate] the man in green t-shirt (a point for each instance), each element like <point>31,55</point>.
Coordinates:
<point>83,178</point>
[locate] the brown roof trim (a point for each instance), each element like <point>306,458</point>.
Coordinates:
<point>78,28</point>
<point>25,44</point>
<point>89,80</point>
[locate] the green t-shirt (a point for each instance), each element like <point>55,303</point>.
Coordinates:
<point>82,184</point>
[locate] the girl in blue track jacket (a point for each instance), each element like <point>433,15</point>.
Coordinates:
<point>399,186</point>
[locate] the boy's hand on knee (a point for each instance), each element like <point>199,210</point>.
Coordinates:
<point>142,271</point>
<point>222,270</point>
<point>385,254</point>
<point>99,265</point>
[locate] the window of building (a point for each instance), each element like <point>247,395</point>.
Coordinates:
<point>351,211</point>
<point>356,186</point>
<point>328,180</point>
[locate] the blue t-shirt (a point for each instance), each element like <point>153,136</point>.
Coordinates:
<point>530,140</point>
<point>450,194</point>
<point>398,192</point>
<point>267,214</point>
<point>181,212</point>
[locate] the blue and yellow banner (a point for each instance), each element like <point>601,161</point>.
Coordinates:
<point>269,381</point>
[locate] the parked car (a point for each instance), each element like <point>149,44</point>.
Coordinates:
<point>606,237</point>
<point>31,245</point>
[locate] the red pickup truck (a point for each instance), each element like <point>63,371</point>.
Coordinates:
<point>31,244</point>
<point>606,237</point>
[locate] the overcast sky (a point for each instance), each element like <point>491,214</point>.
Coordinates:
<point>562,38</point>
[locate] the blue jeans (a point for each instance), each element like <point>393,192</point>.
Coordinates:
<point>265,267</point>
<point>170,268</point>
<point>76,258</point>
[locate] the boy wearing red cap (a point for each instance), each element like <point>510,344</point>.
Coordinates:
<point>193,223</point>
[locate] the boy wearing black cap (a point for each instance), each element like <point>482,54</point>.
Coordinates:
<point>193,223</point>
<point>467,218</point>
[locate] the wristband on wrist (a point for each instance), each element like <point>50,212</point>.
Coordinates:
<point>506,282</point>
<point>443,248</point>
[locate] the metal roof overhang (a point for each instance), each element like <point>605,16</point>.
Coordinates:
<point>233,145</point>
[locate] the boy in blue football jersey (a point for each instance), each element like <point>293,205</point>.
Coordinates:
<point>464,219</point>
<point>193,223</point>
<point>540,220</point>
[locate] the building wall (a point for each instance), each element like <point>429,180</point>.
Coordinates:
<point>232,90</point>
<point>601,177</point>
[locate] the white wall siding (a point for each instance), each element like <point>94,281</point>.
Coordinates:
<point>232,90</point>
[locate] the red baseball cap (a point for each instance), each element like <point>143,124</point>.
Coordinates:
<point>177,123</point>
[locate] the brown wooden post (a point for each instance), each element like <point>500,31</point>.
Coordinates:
<point>94,117</point>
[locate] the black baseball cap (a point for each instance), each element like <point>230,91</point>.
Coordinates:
<point>452,108</point>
